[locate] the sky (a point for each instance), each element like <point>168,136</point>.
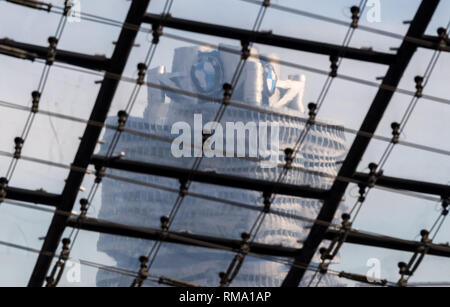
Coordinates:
<point>73,93</point>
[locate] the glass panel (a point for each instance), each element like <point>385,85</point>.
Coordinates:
<point>23,228</point>
<point>370,261</point>
<point>230,14</point>
<point>407,215</point>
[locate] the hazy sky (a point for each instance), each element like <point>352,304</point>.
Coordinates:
<point>73,93</point>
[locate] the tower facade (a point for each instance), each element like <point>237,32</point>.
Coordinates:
<point>203,70</point>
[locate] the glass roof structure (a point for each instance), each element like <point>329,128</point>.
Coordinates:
<point>196,143</point>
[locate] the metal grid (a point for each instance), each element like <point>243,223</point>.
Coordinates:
<point>111,69</point>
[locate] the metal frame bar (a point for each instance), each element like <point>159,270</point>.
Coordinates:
<point>407,185</point>
<point>262,185</point>
<point>393,76</point>
<point>431,42</point>
<point>435,39</point>
<point>89,140</point>
<point>91,224</point>
<point>374,240</point>
<point>268,38</point>
<point>354,237</point>
<point>53,200</point>
<point>35,197</point>
<point>93,62</point>
<point>209,177</point>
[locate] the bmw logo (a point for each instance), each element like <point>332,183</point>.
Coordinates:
<point>207,73</point>
<point>270,79</point>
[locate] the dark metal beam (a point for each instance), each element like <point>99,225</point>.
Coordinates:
<point>354,237</point>
<point>436,39</point>
<point>90,138</point>
<point>373,240</point>
<point>90,224</point>
<point>34,4</point>
<point>209,177</point>
<point>407,185</point>
<point>374,115</point>
<point>267,38</point>
<point>35,197</point>
<point>431,42</point>
<point>31,52</point>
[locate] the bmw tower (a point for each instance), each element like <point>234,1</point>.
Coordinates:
<point>261,86</point>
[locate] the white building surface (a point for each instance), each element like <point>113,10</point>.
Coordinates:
<point>202,70</point>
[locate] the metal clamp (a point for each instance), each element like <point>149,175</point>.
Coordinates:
<point>395,132</point>
<point>183,188</point>
<point>355,16</point>
<point>445,205</point>
<point>143,272</point>
<point>267,201</point>
<point>419,86</point>
<point>245,51</point>
<point>68,4</point>
<point>362,192</point>
<point>83,207</point>
<point>36,97</point>
<point>164,223</point>
<point>142,69</point>
<point>3,185</point>
<point>416,259</point>
<point>334,66</point>
<point>157,32</point>
<point>312,113</point>
<point>373,175</point>
<point>442,33</point>
<point>58,269</point>
<point>18,141</point>
<point>331,252</point>
<point>99,173</point>
<point>51,55</point>
<point>227,92</point>
<point>122,117</point>
<point>289,157</point>
<point>233,269</point>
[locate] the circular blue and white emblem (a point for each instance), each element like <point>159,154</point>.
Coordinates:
<point>270,79</point>
<point>207,74</point>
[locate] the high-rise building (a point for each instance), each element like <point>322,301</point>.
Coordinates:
<point>203,70</point>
